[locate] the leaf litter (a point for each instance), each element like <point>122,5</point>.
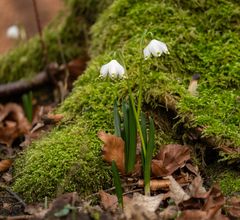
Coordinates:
<point>176,185</point>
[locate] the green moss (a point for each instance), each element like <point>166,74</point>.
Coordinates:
<point>202,38</point>
<point>226,176</point>
<point>66,164</point>
<point>229,182</point>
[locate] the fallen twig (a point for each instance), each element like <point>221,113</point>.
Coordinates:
<point>15,195</point>
<point>20,217</point>
<point>23,86</point>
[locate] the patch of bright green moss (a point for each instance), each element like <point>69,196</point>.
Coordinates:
<point>202,37</point>
<point>229,182</point>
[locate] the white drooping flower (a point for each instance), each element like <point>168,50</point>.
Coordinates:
<point>113,69</point>
<point>13,32</point>
<point>155,48</point>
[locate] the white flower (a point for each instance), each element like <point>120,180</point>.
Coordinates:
<point>155,48</point>
<point>13,32</point>
<point>113,69</point>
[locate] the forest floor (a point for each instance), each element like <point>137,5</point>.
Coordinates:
<point>181,194</point>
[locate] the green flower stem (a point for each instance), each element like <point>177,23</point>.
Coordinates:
<point>133,104</point>
<point>148,159</point>
<point>140,92</point>
<point>137,120</point>
<point>140,75</point>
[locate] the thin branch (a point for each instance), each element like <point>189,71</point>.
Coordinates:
<point>23,86</point>
<point>20,217</point>
<point>39,27</point>
<point>14,195</point>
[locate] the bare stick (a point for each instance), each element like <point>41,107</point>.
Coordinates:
<point>20,217</point>
<point>22,86</point>
<point>39,27</point>
<point>15,195</point>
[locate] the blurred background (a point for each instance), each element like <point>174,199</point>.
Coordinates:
<point>21,13</point>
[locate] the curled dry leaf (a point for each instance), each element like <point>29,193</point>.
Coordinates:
<point>193,169</point>
<point>209,203</point>
<point>168,213</point>
<point>13,123</point>
<point>5,165</point>
<point>169,159</point>
<point>142,207</point>
<point>51,118</point>
<point>215,198</point>
<point>233,207</point>
<point>7,177</point>
<point>176,191</point>
<point>76,67</point>
<point>196,188</point>
<point>113,149</point>
<point>108,201</point>
<point>201,215</point>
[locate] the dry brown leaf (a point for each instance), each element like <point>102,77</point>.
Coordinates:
<point>215,198</point>
<point>108,201</point>
<point>13,123</point>
<point>196,188</point>
<point>7,177</point>
<point>52,118</point>
<point>193,215</point>
<point>201,215</point>
<point>168,213</point>
<point>5,165</point>
<point>176,191</point>
<point>192,203</point>
<point>76,67</point>
<point>36,209</point>
<point>192,169</point>
<point>142,207</point>
<point>169,159</point>
<point>113,149</point>
<point>233,207</point>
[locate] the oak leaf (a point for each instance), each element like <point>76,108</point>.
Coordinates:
<point>113,149</point>
<point>108,201</point>
<point>13,123</point>
<point>169,159</point>
<point>5,165</point>
<point>233,207</point>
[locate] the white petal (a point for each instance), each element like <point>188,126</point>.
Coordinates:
<point>113,68</point>
<point>13,32</point>
<point>163,47</point>
<point>121,71</point>
<point>118,69</point>
<point>146,53</point>
<point>104,70</point>
<point>155,48</point>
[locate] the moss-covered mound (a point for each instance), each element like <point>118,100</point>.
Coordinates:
<point>202,37</point>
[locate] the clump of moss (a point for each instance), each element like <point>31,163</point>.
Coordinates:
<point>202,38</point>
<point>229,182</point>
<point>226,177</point>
